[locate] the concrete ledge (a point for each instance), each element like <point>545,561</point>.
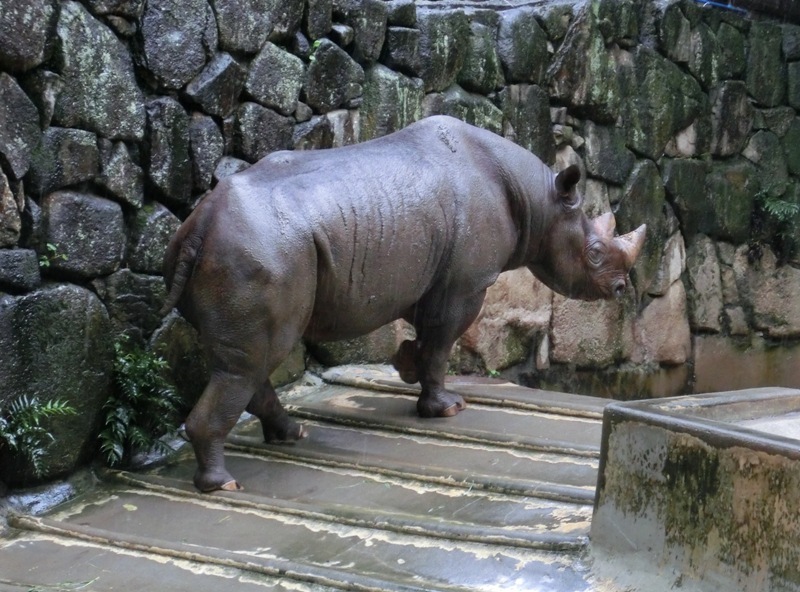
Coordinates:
<point>702,489</point>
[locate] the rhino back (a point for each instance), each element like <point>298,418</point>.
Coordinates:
<point>390,221</point>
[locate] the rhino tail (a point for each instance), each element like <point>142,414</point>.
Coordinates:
<point>182,269</point>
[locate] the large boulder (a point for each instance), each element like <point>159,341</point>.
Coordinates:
<point>765,74</point>
<point>19,126</point>
<point>286,17</point>
<point>607,157</point>
<point>643,200</point>
<point>583,73</point>
<point>662,333</point>
<point>704,56</point>
<point>516,310</point>
<point>25,27</point>
<point>56,343</point>
<point>260,131</point>
<point>526,108</point>
<point>765,151</point>
<point>401,50</point>
<point>87,233</point>
<point>731,118</point>
<point>391,101</point>
<point>318,18</point>
<point>275,79</point>
<point>10,215</point>
<point>216,88</point>
<point>734,184</point>
<point>368,20</point>
<point>705,285</point>
<point>684,180</point>
<point>169,168</point>
<point>120,175</point>
<point>64,157</point>
<point>133,301</point>
<point>19,270</point>
<point>522,46</point>
<point>444,39</point>
<point>659,101</point>
<point>151,230</point>
<point>474,109</point>
<point>334,78</point>
<point>732,53</point>
<point>206,147</point>
<point>770,290</point>
<point>589,334</point>
<point>176,38</point>
<point>243,25</point>
<point>100,92</point>
<point>177,342</point>
<point>481,72</point>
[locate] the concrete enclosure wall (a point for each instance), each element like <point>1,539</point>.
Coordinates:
<point>116,117</point>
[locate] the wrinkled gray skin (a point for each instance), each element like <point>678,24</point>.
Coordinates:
<point>332,244</point>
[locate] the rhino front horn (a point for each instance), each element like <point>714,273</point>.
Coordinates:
<point>631,244</point>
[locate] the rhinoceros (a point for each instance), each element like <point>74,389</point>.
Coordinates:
<point>331,244</point>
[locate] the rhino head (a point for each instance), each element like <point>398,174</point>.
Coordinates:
<point>581,258</point>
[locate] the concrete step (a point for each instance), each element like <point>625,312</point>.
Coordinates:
<point>499,497</point>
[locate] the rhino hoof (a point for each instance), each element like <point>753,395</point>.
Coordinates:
<point>232,485</point>
<point>444,404</point>
<point>452,410</point>
<point>285,434</point>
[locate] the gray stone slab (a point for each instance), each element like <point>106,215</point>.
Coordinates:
<point>47,562</point>
<point>266,540</point>
<point>478,423</point>
<point>395,503</point>
<point>557,476</point>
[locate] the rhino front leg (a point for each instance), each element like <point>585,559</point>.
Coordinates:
<point>276,424</point>
<point>432,355</point>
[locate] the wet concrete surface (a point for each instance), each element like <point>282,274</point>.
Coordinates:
<point>497,498</point>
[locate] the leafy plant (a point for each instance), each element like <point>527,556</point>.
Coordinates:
<point>779,222</point>
<point>51,255</point>
<point>142,409</point>
<point>22,432</point>
<point>314,47</point>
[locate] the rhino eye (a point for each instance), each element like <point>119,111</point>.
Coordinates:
<point>595,256</point>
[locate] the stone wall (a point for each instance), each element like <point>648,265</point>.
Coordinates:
<point>117,116</point>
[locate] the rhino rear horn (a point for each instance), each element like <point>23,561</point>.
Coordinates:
<point>604,225</point>
<point>631,244</point>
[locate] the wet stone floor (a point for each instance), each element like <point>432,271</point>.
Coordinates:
<point>498,498</point>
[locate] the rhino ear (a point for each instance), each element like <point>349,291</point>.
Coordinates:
<point>565,184</point>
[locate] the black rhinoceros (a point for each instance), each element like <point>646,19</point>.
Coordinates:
<point>332,244</point>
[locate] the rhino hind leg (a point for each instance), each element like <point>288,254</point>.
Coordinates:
<point>209,423</point>
<point>404,361</point>
<point>276,424</point>
<point>433,352</point>
<point>440,403</point>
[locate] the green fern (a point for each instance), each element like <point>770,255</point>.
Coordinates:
<point>778,224</point>
<point>22,432</point>
<point>143,408</point>
<point>781,210</point>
